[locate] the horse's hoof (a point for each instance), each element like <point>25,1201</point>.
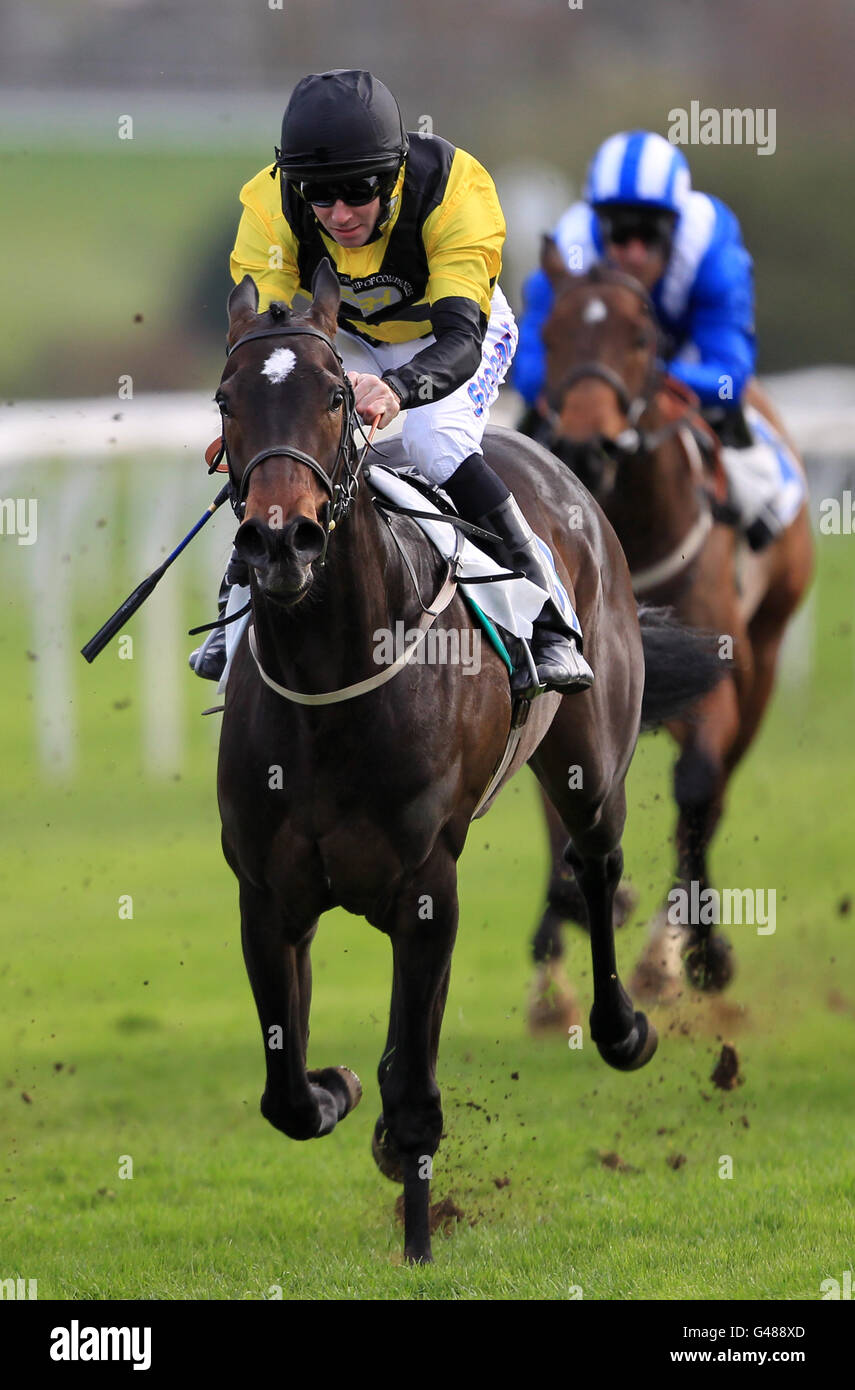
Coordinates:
<point>709,964</point>
<point>553,1007</point>
<point>626,900</point>
<point>342,1083</point>
<point>385,1152</point>
<point>658,976</point>
<point>650,985</point>
<point>635,1050</point>
<point>353,1085</point>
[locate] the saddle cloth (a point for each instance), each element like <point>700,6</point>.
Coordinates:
<point>766,479</point>
<point>763,479</point>
<point>512,604</point>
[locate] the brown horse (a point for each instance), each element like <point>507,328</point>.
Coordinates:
<point>609,418</point>
<point>341,783</point>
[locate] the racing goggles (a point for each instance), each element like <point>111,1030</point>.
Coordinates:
<point>619,226</point>
<point>355,192</point>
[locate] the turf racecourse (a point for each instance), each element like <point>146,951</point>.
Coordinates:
<point>139,1038</point>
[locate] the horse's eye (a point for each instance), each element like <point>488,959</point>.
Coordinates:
<point>336,398</point>
<point>222,403</point>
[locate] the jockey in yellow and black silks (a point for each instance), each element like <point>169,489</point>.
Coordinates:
<point>414,230</point>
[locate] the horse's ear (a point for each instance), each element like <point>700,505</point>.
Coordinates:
<point>326,297</point>
<point>552,261</point>
<point>243,305</point>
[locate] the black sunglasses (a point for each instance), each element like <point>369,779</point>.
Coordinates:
<point>356,193</point>
<point>654,229</point>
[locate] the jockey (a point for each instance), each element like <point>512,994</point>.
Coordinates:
<point>639,213</point>
<point>413,227</point>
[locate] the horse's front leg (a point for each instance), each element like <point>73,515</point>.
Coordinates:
<point>553,1005</point>
<point>422,924</point>
<point>694,948</point>
<point>304,1105</point>
<point>700,778</point>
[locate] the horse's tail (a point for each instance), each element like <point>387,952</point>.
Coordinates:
<point>680,665</point>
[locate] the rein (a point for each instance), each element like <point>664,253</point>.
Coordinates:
<point>349,692</point>
<point>633,441</point>
<point>341,486</point>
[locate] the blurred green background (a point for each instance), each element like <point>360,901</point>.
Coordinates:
<point>98,229</point>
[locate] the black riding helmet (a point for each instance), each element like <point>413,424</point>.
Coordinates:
<point>341,125</point>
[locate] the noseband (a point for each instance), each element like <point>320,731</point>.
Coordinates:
<point>341,484</point>
<point>633,407</point>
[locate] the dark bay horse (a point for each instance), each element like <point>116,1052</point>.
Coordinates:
<point>364,800</point>
<point>609,419</point>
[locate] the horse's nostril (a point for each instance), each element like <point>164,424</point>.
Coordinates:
<point>307,539</point>
<point>251,544</point>
<point>263,546</point>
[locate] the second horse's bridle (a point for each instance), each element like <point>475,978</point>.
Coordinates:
<point>632,439</point>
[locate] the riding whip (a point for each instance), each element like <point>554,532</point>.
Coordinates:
<point>135,600</point>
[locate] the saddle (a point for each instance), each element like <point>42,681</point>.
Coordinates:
<point>507,603</point>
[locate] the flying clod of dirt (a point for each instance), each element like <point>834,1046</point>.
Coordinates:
<point>726,1071</point>
<point>615,1162</point>
<point>838,1003</point>
<point>444,1215</point>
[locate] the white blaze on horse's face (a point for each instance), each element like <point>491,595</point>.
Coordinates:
<point>594,312</point>
<point>279,365</point>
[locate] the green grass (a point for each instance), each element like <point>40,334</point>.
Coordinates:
<point>153,1022</point>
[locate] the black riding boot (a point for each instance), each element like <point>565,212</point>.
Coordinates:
<point>209,660</point>
<point>556,643</point>
<point>761,527</point>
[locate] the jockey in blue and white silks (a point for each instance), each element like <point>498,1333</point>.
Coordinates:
<point>639,212</point>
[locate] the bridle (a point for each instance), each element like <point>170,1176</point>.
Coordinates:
<point>632,440</point>
<point>341,483</point>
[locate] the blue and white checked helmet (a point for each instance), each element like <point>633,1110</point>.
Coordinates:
<point>638,166</point>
